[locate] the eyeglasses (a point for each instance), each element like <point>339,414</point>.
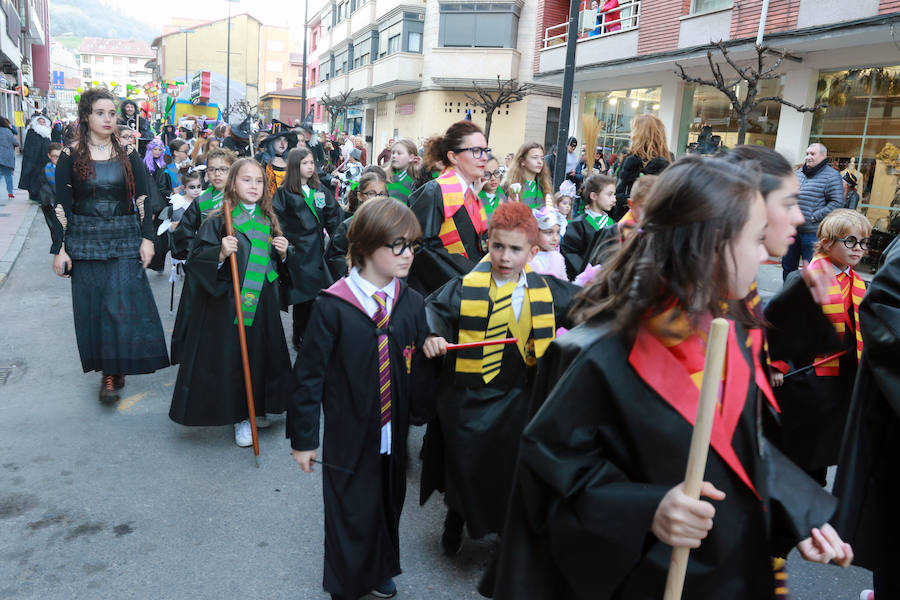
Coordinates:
<point>399,246</point>
<point>369,195</point>
<point>492,174</point>
<point>850,242</point>
<point>477,151</point>
<point>219,169</point>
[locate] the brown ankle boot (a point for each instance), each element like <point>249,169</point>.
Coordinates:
<point>108,393</point>
<point>118,381</point>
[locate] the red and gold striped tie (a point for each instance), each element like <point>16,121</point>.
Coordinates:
<point>384,357</point>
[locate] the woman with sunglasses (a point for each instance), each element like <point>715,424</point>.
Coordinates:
<point>305,212</point>
<point>452,217</point>
<point>491,193</point>
<point>814,402</point>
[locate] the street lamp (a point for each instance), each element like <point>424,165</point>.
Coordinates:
<point>228,63</point>
<point>186,31</point>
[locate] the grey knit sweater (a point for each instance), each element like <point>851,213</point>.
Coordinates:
<point>819,195</point>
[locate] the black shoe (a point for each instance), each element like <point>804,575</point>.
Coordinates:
<point>108,393</point>
<point>118,381</point>
<point>386,590</point>
<point>451,538</point>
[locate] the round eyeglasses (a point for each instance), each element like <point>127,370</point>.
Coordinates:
<point>398,247</point>
<point>850,242</point>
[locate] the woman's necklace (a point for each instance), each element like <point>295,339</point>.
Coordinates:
<point>101,147</point>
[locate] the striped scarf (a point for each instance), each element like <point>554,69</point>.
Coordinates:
<point>210,199</point>
<point>842,297</point>
<point>401,187</point>
<point>598,222</point>
<point>50,173</point>
<point>453,194</point>
<point>491,205</point>
<point>532,194</point>
<point>474,315</point>
<point>257,228</point>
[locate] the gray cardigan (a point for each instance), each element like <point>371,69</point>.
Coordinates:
<point>8,143</point>
<point>819,195</point>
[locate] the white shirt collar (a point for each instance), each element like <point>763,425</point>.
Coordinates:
<point>250,208</point>
<point>523,281</point>
<point>368,287</point>
<point>838,271</point>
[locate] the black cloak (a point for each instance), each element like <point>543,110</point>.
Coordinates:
<point>867,481</point>
<point>597,459</point>
<point>209,389</point>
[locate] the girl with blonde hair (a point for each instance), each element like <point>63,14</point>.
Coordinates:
<point>648,155</point>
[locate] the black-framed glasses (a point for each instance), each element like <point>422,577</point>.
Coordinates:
<point>491,174</point>
<point>369,195</point>
<point>399,246</point>
<point>850,242</point>
<point>219,169</point>
<point>477,151</point>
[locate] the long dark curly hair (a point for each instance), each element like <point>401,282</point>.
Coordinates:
<point>81,152</point>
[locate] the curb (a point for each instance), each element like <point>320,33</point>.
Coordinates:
<point>15,248</point>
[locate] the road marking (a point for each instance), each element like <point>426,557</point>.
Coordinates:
<point>130,401</point>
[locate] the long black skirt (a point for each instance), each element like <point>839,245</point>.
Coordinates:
<point>116,320</point>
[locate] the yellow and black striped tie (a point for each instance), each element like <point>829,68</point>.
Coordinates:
<point>498,324</point>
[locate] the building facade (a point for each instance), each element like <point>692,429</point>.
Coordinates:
<point>274,59</point>
<point>108,60</point>
<point>24,57</point>
<point>409,64</point>
<point>202,46</point>
<point>626,64</point>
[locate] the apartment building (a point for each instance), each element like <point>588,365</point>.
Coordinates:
<point>409,64</point>
<point>189,46</point>
<point>107,60</point>
<point>24,56</point>
<point>841,54</point>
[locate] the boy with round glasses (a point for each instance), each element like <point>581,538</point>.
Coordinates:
<point>808,337</point>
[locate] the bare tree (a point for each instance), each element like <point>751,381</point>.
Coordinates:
<point>336,106</point>
<point>752,75</point>
<point>489,100</point>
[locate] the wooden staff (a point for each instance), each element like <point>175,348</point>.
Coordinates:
<point>816,364</point>
<point>242,335</point>
<point>480,344</point>
<point>706,410</point>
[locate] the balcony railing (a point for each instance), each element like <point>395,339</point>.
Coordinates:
<point>624,16</point>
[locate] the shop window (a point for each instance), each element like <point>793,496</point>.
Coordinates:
<point>711,125</point>
<point>861,129</point>
<point>614,110</point>
<point>702,6</point>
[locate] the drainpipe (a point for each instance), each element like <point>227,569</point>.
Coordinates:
<point>763,15</point>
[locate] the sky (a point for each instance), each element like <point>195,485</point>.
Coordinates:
<point>270,12</point>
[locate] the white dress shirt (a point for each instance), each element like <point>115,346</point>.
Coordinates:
<point>364,291</point>
<point>518,293</point>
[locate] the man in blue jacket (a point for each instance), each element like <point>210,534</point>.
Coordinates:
<point>821,191</point>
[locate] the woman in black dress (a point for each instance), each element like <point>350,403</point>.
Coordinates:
<point>104,246</point>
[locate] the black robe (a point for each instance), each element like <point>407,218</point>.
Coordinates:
<point>595,462</point>
<point>209,389</point>
<point>34,158</point>
<point>470,449</point>
<point>157,200</point>
<point>180,244</point>
<point>575,245</point>
<point>305,233</point>
<point>813,408</point>
<point>434,266</point>
<point>868,481</point>
<point>337,371</point>
<point>336,252</point>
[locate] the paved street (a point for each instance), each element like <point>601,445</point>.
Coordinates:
<point>114,503</point>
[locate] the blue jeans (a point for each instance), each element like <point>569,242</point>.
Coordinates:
<point>7,175</point>
<point>802,247</point>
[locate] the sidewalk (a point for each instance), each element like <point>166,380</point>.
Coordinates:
<point>16,216</point>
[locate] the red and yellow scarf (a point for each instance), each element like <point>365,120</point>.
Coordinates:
<point>454,196</point>
<point>669,355</point>
<point>845,292</point>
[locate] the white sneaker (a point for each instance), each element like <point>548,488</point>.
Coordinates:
<point>262,422</point>
<point>243,437</point>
